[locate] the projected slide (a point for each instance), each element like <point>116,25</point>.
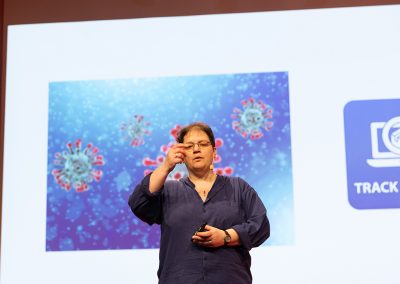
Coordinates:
<point>104,136</point>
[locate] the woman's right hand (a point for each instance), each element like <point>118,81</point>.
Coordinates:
<point>175,155</point>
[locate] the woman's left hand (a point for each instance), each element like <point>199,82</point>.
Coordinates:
<point>211,237</point>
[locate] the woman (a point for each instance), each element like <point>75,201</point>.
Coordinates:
<point>233,217</point>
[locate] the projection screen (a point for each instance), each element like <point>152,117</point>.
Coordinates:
<point>324,161</point>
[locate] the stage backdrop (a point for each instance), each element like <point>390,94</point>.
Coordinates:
<point>305,107</point>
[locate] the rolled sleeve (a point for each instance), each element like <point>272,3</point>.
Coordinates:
<point>145,205</point>
<point>256,229</point>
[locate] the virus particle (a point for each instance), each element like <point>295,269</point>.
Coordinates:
<point>180,170</point>
<point>135,130</point>
<point>227,171</point>
<point>77,167</point>
<point>254,117</point>
<point>123,181</point>
<point>175,131</point>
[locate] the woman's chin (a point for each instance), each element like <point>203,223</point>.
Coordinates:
<point>199,167</point>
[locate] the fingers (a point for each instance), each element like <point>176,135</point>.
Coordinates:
<point>180,146</point>
<point>208,227</point>
<point>176,154</point>
<point>207,242</point>
<point>177,157</point>
<point>202,237</point>
<point>205,234</point>
<point>212,237</point>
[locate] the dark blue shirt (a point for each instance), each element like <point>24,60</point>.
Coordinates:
<point>178,208</point>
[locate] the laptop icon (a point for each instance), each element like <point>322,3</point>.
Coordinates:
<point>390,136</point>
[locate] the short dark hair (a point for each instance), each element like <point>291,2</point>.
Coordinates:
<point>199,125</point>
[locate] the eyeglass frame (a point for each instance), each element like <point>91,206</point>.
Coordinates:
<point>201,145</point>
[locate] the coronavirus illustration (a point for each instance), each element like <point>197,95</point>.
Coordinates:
<point>77,167</point>
<point>175,131</point>
<point>135,130</point>
<point>134,123</point>
<point>252,119</point>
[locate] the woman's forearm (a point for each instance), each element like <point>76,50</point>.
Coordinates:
<point>158,177</point>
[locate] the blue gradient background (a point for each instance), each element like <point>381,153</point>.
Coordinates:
<point>93,111</point>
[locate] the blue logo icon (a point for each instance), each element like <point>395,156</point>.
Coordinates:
<point>372,136</point>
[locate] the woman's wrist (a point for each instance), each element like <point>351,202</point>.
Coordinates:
<point>234,237</point>
<point>165,168</point>
<point>157,178</point>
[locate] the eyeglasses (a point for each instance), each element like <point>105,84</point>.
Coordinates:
<point>201,144</point>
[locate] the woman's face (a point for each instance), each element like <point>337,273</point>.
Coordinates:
<point>199,154</point>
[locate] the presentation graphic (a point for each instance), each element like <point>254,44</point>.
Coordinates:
<point>372,133</point>
<point>105,136</point>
